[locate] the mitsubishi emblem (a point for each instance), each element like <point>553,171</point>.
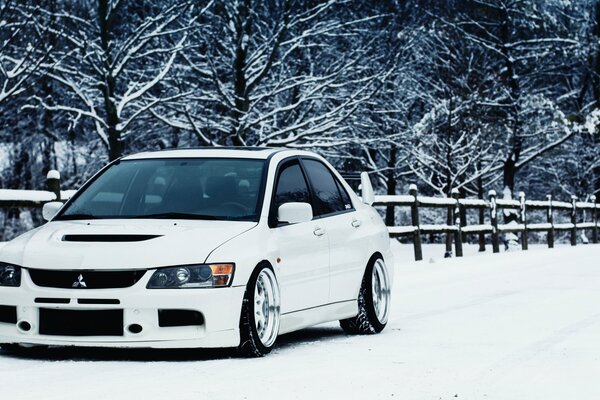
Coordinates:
<point>79,283</point>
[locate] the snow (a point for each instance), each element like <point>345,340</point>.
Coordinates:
<point>442,201</point>
<point>561,204</point>
<point>477,228</point>
<point>536,203</point>
<point>400,199</point>
<point>508,203</point>
<point>474,202</point>
<point>431,228</point>
<point>583,204</point>
<point>401,230</point>
<point>40,196</point>
<point>513,226</point>
<point>27,195</point>
<point>545,225</point>
<point>585,225</point>
<point>518,326</point>
<point>564,226</point>
<point>53,174</point>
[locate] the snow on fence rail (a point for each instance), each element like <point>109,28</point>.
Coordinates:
<point>455,206</point>
<point>36,198</point>
<point>457,232</point>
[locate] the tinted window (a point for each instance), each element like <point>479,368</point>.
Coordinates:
<point>291,186</point>
<point>202,188</point>
<point>344,194</point>
<point>329,200</point>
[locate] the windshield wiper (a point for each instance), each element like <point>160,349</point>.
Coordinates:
<point>72,217</point>
<point>177,215</point>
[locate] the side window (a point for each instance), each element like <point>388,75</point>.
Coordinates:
<point>328,196</point>
<point>291,186</point>
<point>345,195</point>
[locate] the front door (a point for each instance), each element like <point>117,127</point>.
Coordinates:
<point>303,258</point>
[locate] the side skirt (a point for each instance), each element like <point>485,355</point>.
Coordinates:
<point>296,320</point>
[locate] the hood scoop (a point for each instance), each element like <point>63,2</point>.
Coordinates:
<point>107,238</point>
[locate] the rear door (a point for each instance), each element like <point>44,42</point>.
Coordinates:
<point>303,248</point>
<point>344,228</point>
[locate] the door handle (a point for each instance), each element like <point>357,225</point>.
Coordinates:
<point>356,223</point>
<point>319,231</point>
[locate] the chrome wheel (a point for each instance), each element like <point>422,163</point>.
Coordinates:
<point>381,291</point>
<point>266,307</point>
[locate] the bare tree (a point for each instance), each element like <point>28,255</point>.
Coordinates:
<point>272,74</point>
<point>22,46</point>
<point>116,59</point>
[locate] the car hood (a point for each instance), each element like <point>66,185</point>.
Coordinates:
<point>175,243</point>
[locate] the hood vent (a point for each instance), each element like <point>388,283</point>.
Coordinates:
<point>108,238</point>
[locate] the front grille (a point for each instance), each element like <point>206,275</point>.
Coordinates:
<point>81,322</point>
<point>85,279</point>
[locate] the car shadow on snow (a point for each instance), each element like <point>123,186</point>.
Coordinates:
<point>304,337</point>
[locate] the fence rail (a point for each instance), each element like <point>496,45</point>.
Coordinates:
<point>18,198</point>
<point>456,207</point>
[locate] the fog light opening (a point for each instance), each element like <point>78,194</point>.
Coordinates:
<point>24,326</point>
<point>135,328</point>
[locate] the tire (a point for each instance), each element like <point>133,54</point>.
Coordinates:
<point>11,348</point>
<point>260,317</point>
<point>372,315</point>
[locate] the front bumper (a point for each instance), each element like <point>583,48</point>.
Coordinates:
<point>220,308</point>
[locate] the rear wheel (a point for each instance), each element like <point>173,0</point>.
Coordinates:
<point>373,301</point>
<point>259,323</point>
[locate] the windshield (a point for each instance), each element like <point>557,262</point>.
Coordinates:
<point>200,188</point>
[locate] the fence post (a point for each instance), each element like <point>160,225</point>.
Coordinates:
<point>574,220</point>
<point>523,215</point>
<point>449,235</point>
<point>494,221</point>
<point>457,234</point>
<point>551,222</point>
<point>414,217</point>
<point>481,235</point>
<point>53,183</point>
<point>595,220</point>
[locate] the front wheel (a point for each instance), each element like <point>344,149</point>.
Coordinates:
<point>259,322</point>
<point>373,301</point>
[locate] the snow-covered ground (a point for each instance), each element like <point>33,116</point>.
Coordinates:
<point>508,326</point>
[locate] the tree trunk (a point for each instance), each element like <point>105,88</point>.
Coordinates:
<point>513,121</point>
<point>115,143</point>
<point>596,93</point>
<point>240,83</point>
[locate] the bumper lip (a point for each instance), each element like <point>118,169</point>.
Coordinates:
<point>220,308</point>
<point>220,339</point>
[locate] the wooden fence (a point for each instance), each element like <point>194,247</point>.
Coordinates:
<point>458,231</point>
<point>11,198</point>
<point>456,207</point>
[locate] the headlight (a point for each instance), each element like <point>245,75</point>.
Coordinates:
<point>10,275</point>
<point>192,276</point>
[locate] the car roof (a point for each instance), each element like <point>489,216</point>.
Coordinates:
<point>216,152</point>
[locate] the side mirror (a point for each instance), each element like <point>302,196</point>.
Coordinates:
<point>51,209</point>
<point>368,195</point>
<point>294,213</point>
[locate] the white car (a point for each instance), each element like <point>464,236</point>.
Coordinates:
<point>199,248</point>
